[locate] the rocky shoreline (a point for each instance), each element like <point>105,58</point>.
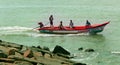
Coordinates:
<point>15,54</point>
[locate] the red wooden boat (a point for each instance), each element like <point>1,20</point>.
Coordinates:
<point>91,29</point>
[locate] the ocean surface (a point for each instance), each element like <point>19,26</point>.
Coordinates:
<point>18,18</point>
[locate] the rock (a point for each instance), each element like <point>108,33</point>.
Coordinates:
<point>46,48</point>
<point>79,64</point>
<point>22,63</point>
<point>39,47</point>
<point>2,54</point>
<point>5,63</point>
<point>8,44</point>
<point>24,48</point>
<point>61,50</point>
<point>0,41</point>
<point>47,55</point>
<point>7,60</point>
<point>80,49</point>
<point>89,50</point>
<point>28,53</point>
<point>11,52</point>
<point>37,54</point>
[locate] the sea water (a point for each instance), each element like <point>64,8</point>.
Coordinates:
<point>18,18</point>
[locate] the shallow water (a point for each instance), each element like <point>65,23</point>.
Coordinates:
<point>18,18</point>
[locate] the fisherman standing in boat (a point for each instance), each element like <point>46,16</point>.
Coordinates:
<point>51,20</point>
<point>61,25</point>
<point>71,24</point>
<point>87,23</point>
<point>41,24</point>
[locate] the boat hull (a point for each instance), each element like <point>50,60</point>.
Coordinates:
<point>93,29</point>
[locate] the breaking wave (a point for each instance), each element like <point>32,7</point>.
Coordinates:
<point>84,56</point>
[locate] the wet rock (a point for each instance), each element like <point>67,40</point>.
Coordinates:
<point>46,48</point>
<point>0,41</point>
<point>2,54</point>
<point>80,49</point>
<point>79,64</point>
<point>39,47</point>
<point>89,50</point>
<point>28,53</point>
<point>61,50</point>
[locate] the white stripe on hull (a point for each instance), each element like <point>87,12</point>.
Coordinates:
<point>66,32</point>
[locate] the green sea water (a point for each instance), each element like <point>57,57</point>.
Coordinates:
<point>19,17</point>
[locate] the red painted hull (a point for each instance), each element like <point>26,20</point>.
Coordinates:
<point>93,29</point>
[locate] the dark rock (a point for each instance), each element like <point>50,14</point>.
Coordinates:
<point>61,50</point>
<point>46,48</point>
<point>89,50</point>
<point>21,46</point>
<point>0,40</point>
<point>79,64</point>
<point>80,49</point>
<point>2,54</point>
<point>33,46</point>
<point>43,53</point>
<point>39,47</point>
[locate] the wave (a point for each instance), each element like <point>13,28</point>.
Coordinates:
<point>18,30</point>
<point>84,56</point>
<point>14,28</point>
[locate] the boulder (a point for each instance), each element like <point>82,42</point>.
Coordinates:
<point>47,55</point>
<point>80,48</point>
<point>2,54</point>
<point>46,48</point>
<point>39,47</point>
<point>37,54</point>
<point>11,52</point>
<point>61,50</point>
<point>0,41</point>
<point>89,50</point>
<point>28,53</point>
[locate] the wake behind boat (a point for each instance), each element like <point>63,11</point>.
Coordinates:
<point>91,29</point>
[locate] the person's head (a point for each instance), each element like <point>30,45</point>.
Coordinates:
<point>70,20</point>
<point>87,20</point>
<point>51,15</point>
<point>60,21</point>
<point>40,23</point>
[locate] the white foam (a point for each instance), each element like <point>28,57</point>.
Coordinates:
<point>83,56</point>
<point>18,30</point>
<point>14,28</point>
